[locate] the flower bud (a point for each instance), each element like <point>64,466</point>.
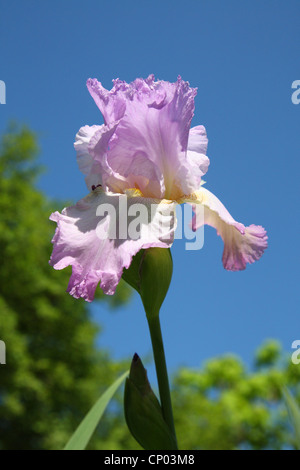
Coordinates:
<point>143,412</point>
<point>150,274</point>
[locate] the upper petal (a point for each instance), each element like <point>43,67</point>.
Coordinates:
<point>100,235</point>
<point>154,123</point>
<point>84,159</point>
<point>198,140</point>
<point>198,162</point>
<point>112,104</point>
<point>242,244</point>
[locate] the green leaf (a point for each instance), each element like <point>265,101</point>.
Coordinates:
<point>294,413</point>
<point>85,430</point>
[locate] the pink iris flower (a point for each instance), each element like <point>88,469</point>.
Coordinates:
<point>145,152</point>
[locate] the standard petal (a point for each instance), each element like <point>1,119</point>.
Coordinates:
<point>84,159</point>
<point>112,104</point>
<point>197,161</point>
<point>100,234</point>
<point>152,136</point>
<point>242,244</point>
<point>191,173</point>
<point>198,140</point>
<point>91,145</point>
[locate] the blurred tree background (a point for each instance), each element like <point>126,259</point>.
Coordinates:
<point>55,371</point>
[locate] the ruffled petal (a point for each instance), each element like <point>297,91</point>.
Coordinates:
<point>100,234</point>
<point>112,104</point>
<point>152,136</point>
<point>242,244</point>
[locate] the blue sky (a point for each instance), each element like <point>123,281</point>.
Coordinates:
<point>243,57</point>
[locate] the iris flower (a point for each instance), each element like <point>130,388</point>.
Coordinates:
<point>145,152</point>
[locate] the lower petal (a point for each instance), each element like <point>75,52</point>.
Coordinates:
<point>100,234</point>
<point>242,244</point>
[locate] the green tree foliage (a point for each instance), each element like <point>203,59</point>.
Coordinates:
<point>54,371</point>
<point>225,406</point>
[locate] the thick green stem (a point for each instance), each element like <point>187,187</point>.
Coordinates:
<point>161,371</point>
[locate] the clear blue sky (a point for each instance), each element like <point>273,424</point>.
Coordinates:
<point>243,56</point>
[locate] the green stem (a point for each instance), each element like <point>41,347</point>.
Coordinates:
<point>161,372</point>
